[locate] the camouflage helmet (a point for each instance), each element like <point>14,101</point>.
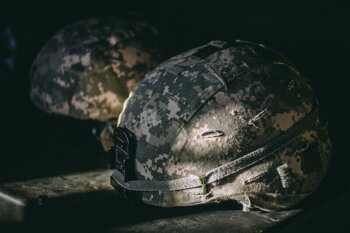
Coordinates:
<point>87,69</point>
<point>223,121</point>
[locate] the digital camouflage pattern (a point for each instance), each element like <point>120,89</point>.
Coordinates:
<point>216,103</point>
<point>87,69</point>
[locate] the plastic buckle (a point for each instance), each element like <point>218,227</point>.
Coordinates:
<point>203,179</point>
<point>122,157</point>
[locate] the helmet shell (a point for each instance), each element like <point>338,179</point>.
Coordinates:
<point>87,69</point>
<point>216,103</point>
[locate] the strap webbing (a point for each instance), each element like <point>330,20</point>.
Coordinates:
<point>223,171</point>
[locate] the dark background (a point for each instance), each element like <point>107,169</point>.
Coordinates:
<point>313,35</point>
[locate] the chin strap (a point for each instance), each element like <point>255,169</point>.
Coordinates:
<point>220,172</point>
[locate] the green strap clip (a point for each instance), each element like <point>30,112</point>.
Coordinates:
<point>203,179</point>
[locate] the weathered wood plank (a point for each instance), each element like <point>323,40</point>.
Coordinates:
<point>88,201</point>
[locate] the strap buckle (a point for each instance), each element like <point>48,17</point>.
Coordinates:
<point>122,156</point>
<point>203,179</point>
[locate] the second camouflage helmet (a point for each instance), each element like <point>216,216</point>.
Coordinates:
<point>87,69</point>
<point>222,121</point>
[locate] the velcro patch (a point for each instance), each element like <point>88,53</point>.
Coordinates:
<point>175,70</point>
<point>206,51</point>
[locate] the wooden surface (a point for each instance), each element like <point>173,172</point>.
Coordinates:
<point>87,202</point>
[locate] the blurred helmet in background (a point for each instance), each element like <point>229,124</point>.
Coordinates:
<point>87,69</point>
